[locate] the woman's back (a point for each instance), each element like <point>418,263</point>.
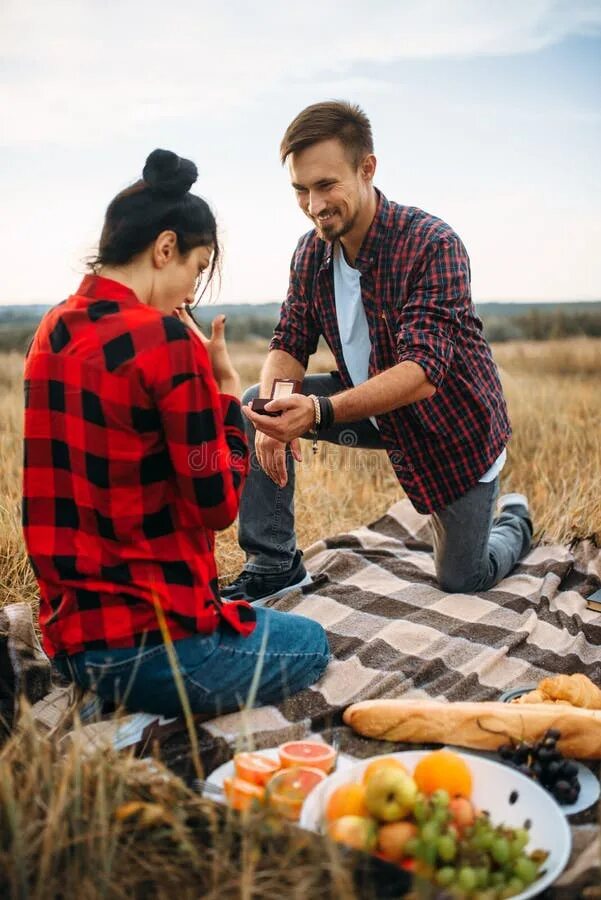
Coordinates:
<point>127,471</point>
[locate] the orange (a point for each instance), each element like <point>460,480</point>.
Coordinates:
<point>381,763</point>
<point>287,790</point>
<point>307,753</point>
<point>242,794</point>
<point>255,767</point>
<point>443,770</point>
<point>346,800</point>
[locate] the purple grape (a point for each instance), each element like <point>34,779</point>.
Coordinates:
<point>569,770</point>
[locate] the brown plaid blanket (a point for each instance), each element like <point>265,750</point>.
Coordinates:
<point>394,633</point>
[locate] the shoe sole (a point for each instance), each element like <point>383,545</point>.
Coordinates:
<point>291,587</point>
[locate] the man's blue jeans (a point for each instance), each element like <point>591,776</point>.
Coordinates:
<point>473,550</point>
<point>221,672</point>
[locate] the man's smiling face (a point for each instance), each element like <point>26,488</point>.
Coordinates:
<point>329,188</point>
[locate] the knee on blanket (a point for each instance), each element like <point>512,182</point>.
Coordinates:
<point>458,583</point>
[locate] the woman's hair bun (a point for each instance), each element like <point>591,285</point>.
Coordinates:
<point>168,174</point>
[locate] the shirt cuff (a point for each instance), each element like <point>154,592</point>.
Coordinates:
<point>435,372</point>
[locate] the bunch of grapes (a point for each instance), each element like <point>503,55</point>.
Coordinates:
<point>480,861</point>
<point>544,763</point>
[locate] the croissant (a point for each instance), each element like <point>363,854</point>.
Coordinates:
<point>577,689</point>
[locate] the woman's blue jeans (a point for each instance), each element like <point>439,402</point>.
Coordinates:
<point>221,672</point>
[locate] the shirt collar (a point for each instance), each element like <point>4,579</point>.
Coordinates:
<point>96,287</point>
<point>368,250</point>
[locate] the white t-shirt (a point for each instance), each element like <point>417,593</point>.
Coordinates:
<point>354,333</point>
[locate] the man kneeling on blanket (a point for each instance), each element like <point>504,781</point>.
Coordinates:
<point>388,286</point>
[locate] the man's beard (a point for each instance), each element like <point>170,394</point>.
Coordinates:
<point>332,232</point>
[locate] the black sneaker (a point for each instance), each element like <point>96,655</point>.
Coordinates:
<point>258,587</point>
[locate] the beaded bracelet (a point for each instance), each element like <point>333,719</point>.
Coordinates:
<point>317,411</point>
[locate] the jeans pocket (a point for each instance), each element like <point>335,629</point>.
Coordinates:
<point>117,661</point>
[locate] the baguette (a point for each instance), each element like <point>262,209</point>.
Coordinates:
<point>479,726</point>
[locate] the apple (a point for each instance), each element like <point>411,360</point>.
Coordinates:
<point>358,832</point>
<point>393,837</point>
<point>390,794</point>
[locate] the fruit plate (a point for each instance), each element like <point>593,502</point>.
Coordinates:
<point>509,797</point>
<point>218,775</point>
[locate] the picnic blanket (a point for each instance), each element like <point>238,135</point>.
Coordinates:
<point>394,633</point>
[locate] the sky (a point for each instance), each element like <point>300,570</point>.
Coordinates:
<point>486,113</point>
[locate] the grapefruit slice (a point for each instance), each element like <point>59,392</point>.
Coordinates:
<point>287,791</point>
<point>242,794</point>
<point>255,767</point>
<point>307,753</point>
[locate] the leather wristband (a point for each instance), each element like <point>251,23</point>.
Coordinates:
<point>326,408</point>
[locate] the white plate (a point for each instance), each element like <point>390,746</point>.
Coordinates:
<point>227,770</point>
<point>494,783</point>
<point>589,791</point>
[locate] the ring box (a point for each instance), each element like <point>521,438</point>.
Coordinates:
<point>281,387</point>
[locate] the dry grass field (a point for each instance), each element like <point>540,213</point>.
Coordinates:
<point>107,825</point>
<point>554,394</point>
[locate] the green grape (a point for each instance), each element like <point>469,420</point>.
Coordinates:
<point>447,848</point>
<point>496,879</point>
<point>484,838</point>
<point>440,798</point>
<point>513,887</point>
<point>420,810</point>
<point>441,816</point>
<point>522,836</point>
<point>428,854</point>
<point>430,832</point>
<point>482,873</point>
<point>466,878</point>
<point>526,869</point>
<point>445,876</point>
<point>500,850</point>
<point>411,847</point>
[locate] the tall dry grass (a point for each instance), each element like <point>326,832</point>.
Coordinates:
<point>107,825</point>
<point>554,394</point>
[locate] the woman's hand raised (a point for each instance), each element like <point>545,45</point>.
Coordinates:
<point>226,376</point>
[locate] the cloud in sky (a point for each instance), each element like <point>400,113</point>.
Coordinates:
<point>485,112</point>
<point>81,70</point>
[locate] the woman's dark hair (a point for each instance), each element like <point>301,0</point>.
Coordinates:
<point>159,201</point>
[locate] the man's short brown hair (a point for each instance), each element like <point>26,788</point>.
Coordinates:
<point>333,119</point>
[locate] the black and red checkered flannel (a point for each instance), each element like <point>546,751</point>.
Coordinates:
<point>132,460</point>
<point>415,287</point>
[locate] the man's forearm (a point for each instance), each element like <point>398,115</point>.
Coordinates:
<point>402,384</point>
<point>279,364</point>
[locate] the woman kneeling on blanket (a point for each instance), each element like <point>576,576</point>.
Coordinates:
<point>134,454</point>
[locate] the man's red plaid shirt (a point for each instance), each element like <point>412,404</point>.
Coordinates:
<point>132,460</point>
<point>415,287</point>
